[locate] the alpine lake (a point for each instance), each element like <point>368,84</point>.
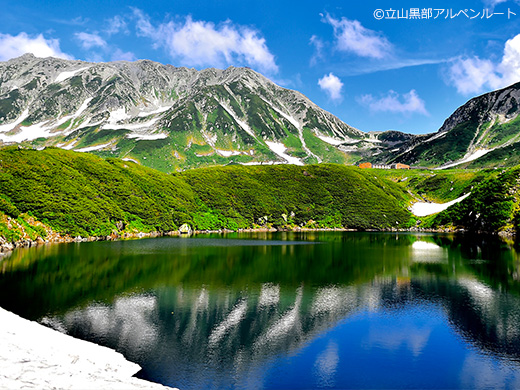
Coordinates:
<point>285,310</point>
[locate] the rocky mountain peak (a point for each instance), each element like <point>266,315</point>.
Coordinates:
<point>165,116</point>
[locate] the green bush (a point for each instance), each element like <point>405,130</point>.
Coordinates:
<point>489,208</point>
<point>83,194</point>
<point>8,208</point>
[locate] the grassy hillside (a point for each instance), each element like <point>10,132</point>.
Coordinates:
<point>328,194</point>
<point>83,194</point>
<point>436,185</point>
<point>492,206</point>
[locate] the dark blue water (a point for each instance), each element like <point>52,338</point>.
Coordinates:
<point>291,311</point>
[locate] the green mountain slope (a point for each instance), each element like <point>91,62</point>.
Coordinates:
<point>83,194</point>
<point>165,117</point>
<point>485,124</point>
<point>493,206</point>
<point>172,119</point>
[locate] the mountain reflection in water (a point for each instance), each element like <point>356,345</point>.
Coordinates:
<point>352,310</point>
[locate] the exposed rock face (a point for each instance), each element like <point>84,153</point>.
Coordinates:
<point>485,124</point>
<point>185,229</point>
<point>175,118</point>
<point>163,116</point>
<point>497,106</point>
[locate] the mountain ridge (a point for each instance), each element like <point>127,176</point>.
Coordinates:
<point>173,118</point>
<point>484,124</point>
<point>55,102</point>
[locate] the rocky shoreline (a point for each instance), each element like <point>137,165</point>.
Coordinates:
<point>53,238</point>
<point>7,247</point>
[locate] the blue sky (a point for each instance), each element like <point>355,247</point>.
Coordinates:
<point>352,58</point>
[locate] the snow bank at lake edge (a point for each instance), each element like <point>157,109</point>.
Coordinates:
<point>422,209</point>
<point>37,357</point>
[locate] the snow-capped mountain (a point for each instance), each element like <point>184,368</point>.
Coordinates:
<point>167,117</point>
<point>484,132</point>
<point>175,118</point>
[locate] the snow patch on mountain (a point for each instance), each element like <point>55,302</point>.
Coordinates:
<point>422,209</point>
<point>296,123</point>
<point>290,118</point>
<point>228,153</point>
<point>37,130</point>
<point>211,139</point>
<point>262,163</point>
<point>118,115</point>
<point>10,126</point>
<point>241,123</point>
<point>437,136</point>
<point>132,126</point>
<point>147,137</point>
<point>472,156</point>
<point>68,146</point>
<point>329,140</point>
<point>66,75</point>
<point>95,147</point>
<point>160,110</point>
<point>29,133</point>
<point>279,149</point>
<point>78,112</point>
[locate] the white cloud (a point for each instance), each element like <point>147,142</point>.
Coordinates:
<point>115,25</point>
<point>472,75</point>
<point>201,43</point>
<point>144,26</point>
<point>88,41</point>
<point>120,55</point>
<point>351,36</point>
<point>409,103</point>
<point>509,68</point>
<point>15,46</point>
<point>318,49</point>
<point>492,3</point>
<point>99,50</point>
<point>332,85</point>
<point>77,21</point>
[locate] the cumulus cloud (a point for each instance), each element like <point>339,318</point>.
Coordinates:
<point>12,46</point>
<point>392,102</point>
<point>332,85</point>
<point>201,43</point>
<point>351,36</point>
<point>473,74</point>
<point>88,41</point>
